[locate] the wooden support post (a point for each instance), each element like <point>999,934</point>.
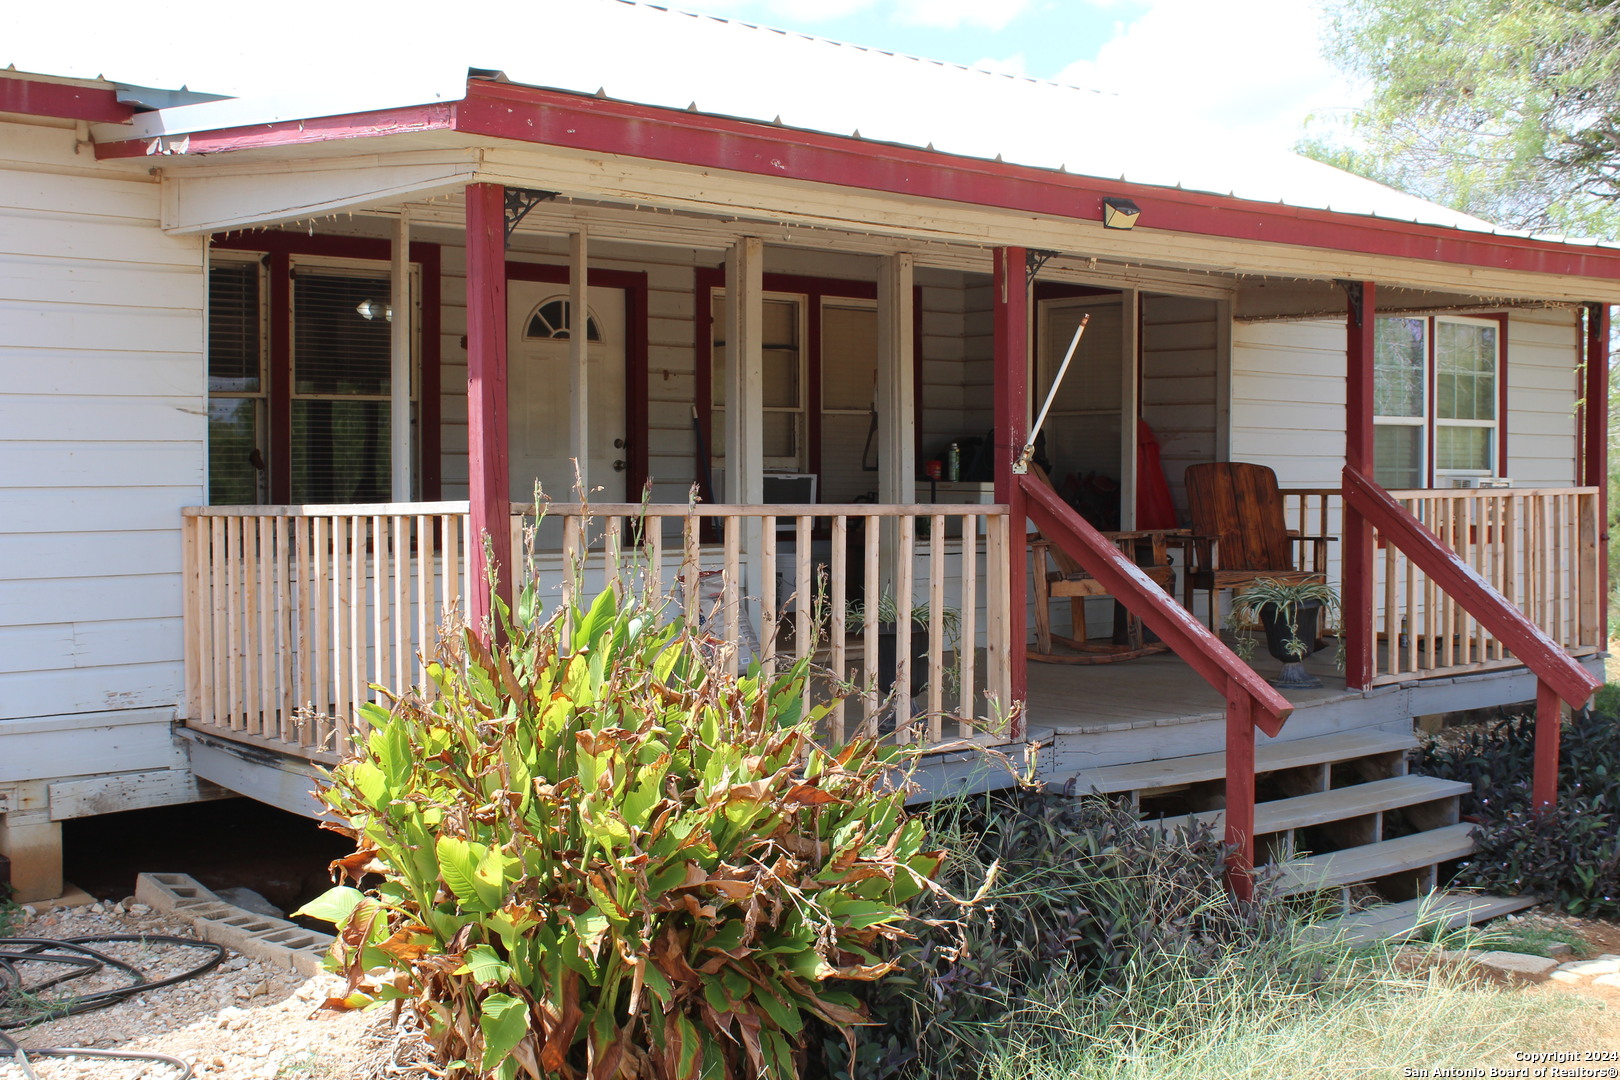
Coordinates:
<point>579,359</point>
<point>1549,725</point>
<point>897,426</point>
<point>489,488</point>
<point>1361,638</point>
<point>745,399</point>
<point>1595,456</point>
<point>400,335</point>
<point>1130,407</point>
<point>33,844</point>
<point>1011,412</point>
<point>1240,791</point>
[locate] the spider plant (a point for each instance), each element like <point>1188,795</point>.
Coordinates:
<point>1282,600</point>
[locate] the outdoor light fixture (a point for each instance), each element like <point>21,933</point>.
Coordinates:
<point>375,309</point>
<point>1120,213</point>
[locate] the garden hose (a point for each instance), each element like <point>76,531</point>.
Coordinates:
<point>21,1005</point>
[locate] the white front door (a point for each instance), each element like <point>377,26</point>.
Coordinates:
<point>539,326</point>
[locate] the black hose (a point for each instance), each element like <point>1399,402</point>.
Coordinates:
<point>80,960</point>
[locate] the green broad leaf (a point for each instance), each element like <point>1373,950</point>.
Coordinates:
<point>482,963</point>
<point>495,871</point>
<point>809,965</point>
<point>592,926</point>
<point>333,905</point>
<point>504,1020</point>
<point>715,994</point>
<point>783,1014</point>
<point>691,1048</point>
<point>658,985</point>
<point>645,795</point>
<point>458,865</point>
<point>369,781</point>
<point>726,937</point>
<point>591,625</point>
<point>672,874</point>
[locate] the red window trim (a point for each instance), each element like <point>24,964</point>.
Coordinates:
<point>281,247</point>
<point>815,290</point>
<point>636,292</point>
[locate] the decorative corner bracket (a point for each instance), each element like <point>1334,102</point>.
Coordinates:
<point>519,201</point>
<point>1034,260</point>
<point>1352,290</point>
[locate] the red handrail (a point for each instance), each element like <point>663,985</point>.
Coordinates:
<point>1558,676</point>
<point>1250,701</point>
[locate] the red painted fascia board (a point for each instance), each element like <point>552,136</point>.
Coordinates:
<point>439,116</point>
<point>89,103</point>
<point>527,114</point>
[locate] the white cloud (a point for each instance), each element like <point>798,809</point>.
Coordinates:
<point>1253,67</point>
<point>1005,65</point>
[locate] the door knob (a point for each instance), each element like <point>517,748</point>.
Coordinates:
<point>618,465</point>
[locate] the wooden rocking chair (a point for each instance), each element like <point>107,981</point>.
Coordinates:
<point>1240,534</point>
<point>1067,580</point>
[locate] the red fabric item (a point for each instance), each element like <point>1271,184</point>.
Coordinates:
<point>1154,509</point>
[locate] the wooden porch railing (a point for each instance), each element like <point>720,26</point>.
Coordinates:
<point>1558,676</point>
<point>804,593</point>
<point>293,612</point>
<point>1536,547</point>
<point>1251,702</point>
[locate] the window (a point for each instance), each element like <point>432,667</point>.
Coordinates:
<point>330,381</point>
<point>783,387</point>
<point>1436,399</point>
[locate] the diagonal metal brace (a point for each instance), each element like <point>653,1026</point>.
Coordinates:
<point>1034,260</point>
<point>1352,289</point>
<point>519,201</point>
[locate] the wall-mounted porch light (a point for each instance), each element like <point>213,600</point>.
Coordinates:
<point>375,309</point>
<point>1120,213</point>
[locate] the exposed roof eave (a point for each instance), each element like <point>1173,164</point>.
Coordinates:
<point>503,112</point>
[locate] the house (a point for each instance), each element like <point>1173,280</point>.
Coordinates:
<point>274,369</point>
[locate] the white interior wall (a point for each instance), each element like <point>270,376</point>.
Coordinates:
<point>103,424</point>
<point>1179,372</point>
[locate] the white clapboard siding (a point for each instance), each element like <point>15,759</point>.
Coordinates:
<point>1288,399</point>
<point>1543,349</point>
<point>102,431</point>
<point>1179,371</point>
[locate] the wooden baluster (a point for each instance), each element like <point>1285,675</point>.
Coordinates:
<point>573,569</point>
<point>252,682</point>
<point>998,653</point>
<point>869,629</point>
<point>968,645</point>
<point>286,694</point>
<point>426,638</point>
<point>612,555</point>
<point>264,621</point>
<point>731,594</point>
<point>1557,564</point>
<point>805,597</point>
<point>400,573</point>
<point>1592,634</point>
<point>653,542</point>
<point>191,622</point>
<point>690,566</point>
<point>342,642</point>
<point>1392,614</point>
<point>382,632</point>
<point>904,587</point>
<point>1514,571</point>
<point>320,619</point>
<point>936,627</point>
<point>233,614</point>
<point>835,582</point>
<point>769,617</point>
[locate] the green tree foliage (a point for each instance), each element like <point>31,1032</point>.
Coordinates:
<point>1506,109</point>
<point>602,857</point>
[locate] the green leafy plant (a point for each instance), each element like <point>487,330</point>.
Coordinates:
<point>888,614</point>
<point>1285,599</point>
<point>602,857</point>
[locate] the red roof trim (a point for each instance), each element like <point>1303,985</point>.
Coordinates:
<point>89,103</point>
<point>529,114</point>
<point>436,117</point>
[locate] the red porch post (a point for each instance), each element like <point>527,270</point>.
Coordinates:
<point>1595,452</point>
<point>489,488</point>
<point>1011,429</point>
<point>1360,637</point>
<point>1240,790</point>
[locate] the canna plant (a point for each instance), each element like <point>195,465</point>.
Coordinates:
<point>602,857</point>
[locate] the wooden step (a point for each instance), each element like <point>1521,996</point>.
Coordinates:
<point>1269,756</point>
<point>1320,807</point>
<point>1436,911</point>
<point>1371,861</point>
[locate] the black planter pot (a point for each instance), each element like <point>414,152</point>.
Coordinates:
<point>888,649</point>
<point>1307,616</point>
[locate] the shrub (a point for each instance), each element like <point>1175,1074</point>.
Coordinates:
<point>610,859</point>
<point>1570,855</point>
<point>1072,892</point>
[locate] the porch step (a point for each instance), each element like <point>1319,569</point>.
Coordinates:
<point>1435,911</point>
<point>1321,807</point>
<point>1148,776</point>
<point>1415,852</point>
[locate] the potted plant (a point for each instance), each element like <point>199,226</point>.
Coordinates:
<point>888,627</point>
<point>1293,614</point>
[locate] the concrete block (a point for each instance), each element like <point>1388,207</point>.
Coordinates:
<point>1607,980</point>
<point>1589,968</point>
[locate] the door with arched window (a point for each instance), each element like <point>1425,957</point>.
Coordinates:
<point>541,322</point>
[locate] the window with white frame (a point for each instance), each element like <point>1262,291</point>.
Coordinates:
<point>1436,399</point>
<point>783,386</point>
<point>335,390</point>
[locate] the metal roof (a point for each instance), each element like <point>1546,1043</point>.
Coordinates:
<point>658,56</point>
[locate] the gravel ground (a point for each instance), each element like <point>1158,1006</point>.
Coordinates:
<point>245,1020</point>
